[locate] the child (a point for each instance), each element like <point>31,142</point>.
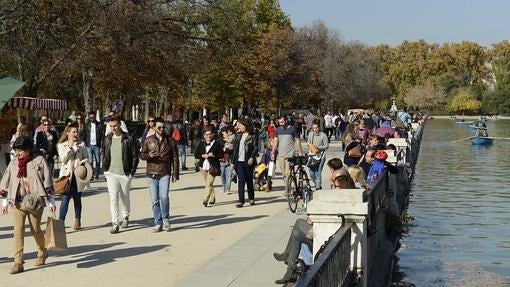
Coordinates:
<point>266,159</point>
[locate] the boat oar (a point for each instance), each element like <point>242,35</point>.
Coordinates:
<point>500,138</point>
<point>468,138</point>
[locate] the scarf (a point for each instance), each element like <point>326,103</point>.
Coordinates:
<point>22,165</point>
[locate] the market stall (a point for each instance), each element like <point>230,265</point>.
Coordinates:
<point>19,109</point>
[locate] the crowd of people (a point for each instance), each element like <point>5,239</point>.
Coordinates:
<point>245,151</point>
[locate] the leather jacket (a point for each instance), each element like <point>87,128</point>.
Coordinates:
<point>129,153</point>
<point>167,155</point>
<point>251,149</point>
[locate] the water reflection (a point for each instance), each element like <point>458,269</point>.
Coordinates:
<point>461,208</point>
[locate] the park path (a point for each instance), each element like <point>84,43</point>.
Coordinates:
<point>215,246</point>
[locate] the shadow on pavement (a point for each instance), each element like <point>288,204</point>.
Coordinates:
<point>209,221</point>
<point>95,258</point>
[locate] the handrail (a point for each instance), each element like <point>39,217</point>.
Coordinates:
<point>332,267</point>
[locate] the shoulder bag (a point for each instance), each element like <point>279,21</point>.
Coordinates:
<point>62,185</point>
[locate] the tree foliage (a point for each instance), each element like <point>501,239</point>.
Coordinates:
<point>220,54</point>
<point>425,97</point>
<point>464,102</point>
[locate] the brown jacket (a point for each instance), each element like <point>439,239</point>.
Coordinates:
<point>166,156</point>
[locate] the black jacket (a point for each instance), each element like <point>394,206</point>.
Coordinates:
<point>251,148</point>
<point>216,149</point>
<point>41,142</point>
<point>99,134</point>
<point>129,153</point>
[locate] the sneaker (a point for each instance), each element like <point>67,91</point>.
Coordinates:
<point>184,168</point>
<point>115,229</point>
<point>166,225</point>
<point>125,223</point>
<point>157,228</point>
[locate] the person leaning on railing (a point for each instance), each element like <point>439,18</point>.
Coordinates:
<point>302,233</point>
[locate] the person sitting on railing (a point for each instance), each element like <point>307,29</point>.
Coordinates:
<point>302,233</point>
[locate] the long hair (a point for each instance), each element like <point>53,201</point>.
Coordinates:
<point>248,124</point>
<point>63,137</point>
<point>22,131</point>
<point>358,175</point>
<point>350,130</point>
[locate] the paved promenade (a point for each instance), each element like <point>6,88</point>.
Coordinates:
<point>215,246</point>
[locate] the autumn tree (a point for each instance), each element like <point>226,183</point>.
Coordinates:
<point>38,37</point>
<point>464,102</point>
<point>426,96</point>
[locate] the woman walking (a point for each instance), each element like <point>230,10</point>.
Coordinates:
<point>319,143</point>
<point>46,143</point>
<point>208,154</point>
<point>72,153</point>
<point>244,159</point>
<point>27,173</point>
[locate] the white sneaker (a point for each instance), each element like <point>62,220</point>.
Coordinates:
<point>157,228</point>
<point>166,225</point>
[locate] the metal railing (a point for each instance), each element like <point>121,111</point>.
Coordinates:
<point>332,267</point>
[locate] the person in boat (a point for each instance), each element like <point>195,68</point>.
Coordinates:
<point>481,132</point>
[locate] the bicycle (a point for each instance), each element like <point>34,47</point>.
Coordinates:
<point>299,183</point>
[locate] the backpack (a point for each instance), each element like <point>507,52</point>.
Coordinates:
<point>176,134</point>
<point>376,171</point>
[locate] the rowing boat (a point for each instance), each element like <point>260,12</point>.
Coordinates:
<point>482,141</point>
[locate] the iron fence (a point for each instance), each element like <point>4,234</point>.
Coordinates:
<point>332,267</point>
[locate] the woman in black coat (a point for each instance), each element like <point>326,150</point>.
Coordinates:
<point>208,153</point>
<point>46,143</point>
<point>244,159</point>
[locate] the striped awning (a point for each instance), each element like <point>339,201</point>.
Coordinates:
<point>50,104</point>
<point>21,102</point>
<point>37,104</point>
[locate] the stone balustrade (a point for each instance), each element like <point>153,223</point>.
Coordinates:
<point>372,246</point>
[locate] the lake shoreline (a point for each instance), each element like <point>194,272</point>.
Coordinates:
<point>468,117</point>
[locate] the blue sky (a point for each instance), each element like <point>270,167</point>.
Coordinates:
<point>393,21</point>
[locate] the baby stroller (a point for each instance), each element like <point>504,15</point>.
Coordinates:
<point>261,181</point>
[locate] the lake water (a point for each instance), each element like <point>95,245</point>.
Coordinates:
<point>460,205</point>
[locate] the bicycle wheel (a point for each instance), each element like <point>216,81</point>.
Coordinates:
<point>292,197</point>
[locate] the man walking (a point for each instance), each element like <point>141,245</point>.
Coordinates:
<point>286,139</point>
<point>160,152</point>
<point>120,160</point>
<point>93,138</point>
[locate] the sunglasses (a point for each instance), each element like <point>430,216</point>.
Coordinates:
<point>151,121</point>
<point>159,128</point>
<point>45,125</point>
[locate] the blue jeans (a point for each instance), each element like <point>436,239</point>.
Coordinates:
<point>226,177</point>
<point>64,204</point>
<point>316,175</point>
<point>182,154</point>
<point>93,152</point>
<point>158,188</point>
<point>244,175</point>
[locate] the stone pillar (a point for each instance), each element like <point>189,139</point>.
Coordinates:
<point>327,211</point>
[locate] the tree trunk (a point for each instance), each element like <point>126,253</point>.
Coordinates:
<point>87,89</point>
